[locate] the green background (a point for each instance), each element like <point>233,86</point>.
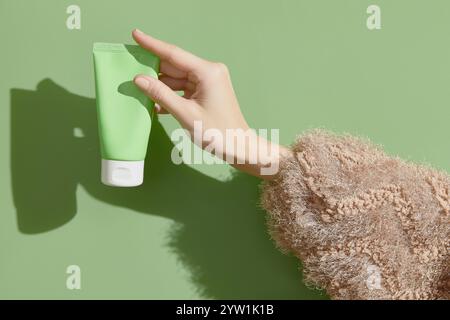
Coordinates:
<point>196,231</point>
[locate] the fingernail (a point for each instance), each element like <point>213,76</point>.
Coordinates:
<point>138,31</point>
<point>157,108</point>
<point>141,82</point>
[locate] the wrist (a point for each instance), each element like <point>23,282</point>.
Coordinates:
<point>260,157</point>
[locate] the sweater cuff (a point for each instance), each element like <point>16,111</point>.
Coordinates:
<point>364,224</point>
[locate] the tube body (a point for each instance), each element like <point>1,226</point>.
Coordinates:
<point>124,113</point>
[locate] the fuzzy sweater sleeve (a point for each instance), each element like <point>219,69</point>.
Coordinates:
<point>364,224</point>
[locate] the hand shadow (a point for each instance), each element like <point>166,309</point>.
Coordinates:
<point>221,234</point>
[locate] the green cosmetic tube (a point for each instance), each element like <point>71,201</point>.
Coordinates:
<point>124,113</point>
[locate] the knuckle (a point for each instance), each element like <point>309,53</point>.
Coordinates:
<point>173,51</point>
<point>157,96</point>
<point>154,91</point>
<point>221,68</point>
<point>218,70</point>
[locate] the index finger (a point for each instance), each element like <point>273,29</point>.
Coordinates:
<point>176,56</point>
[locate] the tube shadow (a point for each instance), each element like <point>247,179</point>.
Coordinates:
<point>221,233</point>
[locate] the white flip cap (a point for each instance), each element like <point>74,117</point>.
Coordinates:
<point>122,173</point>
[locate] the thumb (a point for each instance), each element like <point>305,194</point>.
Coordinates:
<point>161,94</point>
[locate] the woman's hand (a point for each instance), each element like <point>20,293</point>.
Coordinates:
<point>209,100</point>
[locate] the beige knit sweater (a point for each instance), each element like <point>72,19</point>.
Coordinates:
<point>364,224</point>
